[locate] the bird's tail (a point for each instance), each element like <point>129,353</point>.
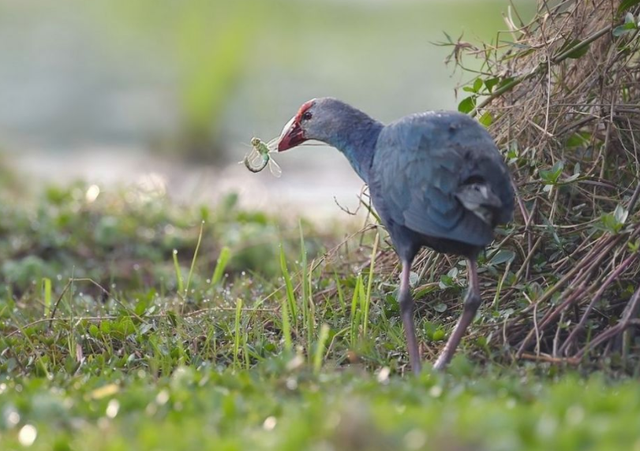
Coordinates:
<point>480,199</point>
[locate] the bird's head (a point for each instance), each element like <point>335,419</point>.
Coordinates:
<point>316,119</point>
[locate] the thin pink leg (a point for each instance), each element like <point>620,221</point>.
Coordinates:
<point>471,303</point>
<point>406,312</point>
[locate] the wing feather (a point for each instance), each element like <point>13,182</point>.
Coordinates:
<point>421,164</point>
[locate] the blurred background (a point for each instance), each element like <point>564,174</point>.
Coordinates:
<point>166,94</point>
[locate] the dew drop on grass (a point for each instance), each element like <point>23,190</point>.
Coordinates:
<point>435,391</point>
<point>162,397</point>
<point>92,193</point>
<point>291,383</point>
<point>12,417</point>
<point>27,435</point>
<point>112,408</point>
<point>269,423</point>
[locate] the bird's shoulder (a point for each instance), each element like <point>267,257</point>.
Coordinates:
<point>438,145</point>
<point>433,133</point>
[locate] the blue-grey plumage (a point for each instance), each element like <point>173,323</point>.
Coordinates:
<point>430,169</point>
<point>436,179</point>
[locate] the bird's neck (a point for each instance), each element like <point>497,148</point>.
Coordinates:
<point>356,139</point>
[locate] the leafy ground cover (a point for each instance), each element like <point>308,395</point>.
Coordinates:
<point>279,407</point>
<point>127,322</point>
<point>255,334</point>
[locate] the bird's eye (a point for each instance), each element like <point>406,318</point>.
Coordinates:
<point>306,116</point>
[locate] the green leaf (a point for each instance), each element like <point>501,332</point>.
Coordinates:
<point>414,278</point>
<point>620,214</point>
<point>93,330</point>
<point>628,27</point>
<point>551,176</point>
<point>467,105</point>
<point>513,152</point>
<point>608,223</point>
<point>491,82</point>
<point>578,140</point>
<point>475,88</point>
<point>613,222</point>
<point>446,282</point>
<point>486,119</point>
<point>441,307</point>
<point>626,4</point>
<point>438,335</point>
<point>477,85</point>
<point>502,256</point>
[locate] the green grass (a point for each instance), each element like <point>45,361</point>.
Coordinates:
<point>110,340</point>
<point>271,407</point>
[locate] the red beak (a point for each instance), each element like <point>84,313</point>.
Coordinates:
<point>292,135</point>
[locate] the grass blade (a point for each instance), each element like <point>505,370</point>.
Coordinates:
<point>343,306</point>
<point>320,347</point>
<point>288,288</point>
<point>221,265</point>
<point>195,258</point>
<point>286,326</point>
<point>308,316</point>
<point>367,298</point>
<point>46,294</point>
<point>355,317</point>
<point>176,266</point>
<point>236,339</point>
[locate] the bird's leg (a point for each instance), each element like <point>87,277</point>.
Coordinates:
<point>471,303</point>
<point>406,311</point>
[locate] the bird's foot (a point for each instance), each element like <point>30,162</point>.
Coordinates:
<point>442,362</point>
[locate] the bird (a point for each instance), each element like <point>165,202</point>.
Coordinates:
<point>436,179</point>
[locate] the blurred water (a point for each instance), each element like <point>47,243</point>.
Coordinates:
<point>78,100</point>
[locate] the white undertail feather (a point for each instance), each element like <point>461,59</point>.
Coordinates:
<point>479,199</point>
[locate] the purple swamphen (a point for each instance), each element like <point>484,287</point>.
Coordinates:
<point>436,179</point>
